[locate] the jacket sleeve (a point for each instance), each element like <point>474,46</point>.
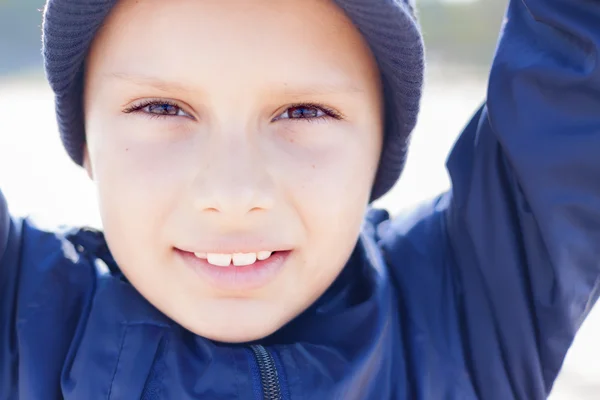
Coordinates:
<point>4,225</point>
<point>524,214</point>
<point>9,253</point>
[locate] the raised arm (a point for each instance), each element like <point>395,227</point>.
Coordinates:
<point>4,225</point>
<point>9,249</point>
<point>524,218</point>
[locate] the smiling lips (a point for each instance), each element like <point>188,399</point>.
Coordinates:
<point>236,272</point>
<point>238,259</point>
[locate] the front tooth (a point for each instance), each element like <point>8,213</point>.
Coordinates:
<point>240,259</point>
<point>263,255</point>
<point>200,255</point>
<point>220,260</point>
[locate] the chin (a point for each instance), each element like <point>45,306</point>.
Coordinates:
<point>232,321</point>
<point>237,337</point>
<point>238,333</point>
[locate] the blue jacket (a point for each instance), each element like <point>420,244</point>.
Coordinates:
<point>475,295</point>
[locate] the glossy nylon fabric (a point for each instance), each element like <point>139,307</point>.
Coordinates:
<point>475,295</point>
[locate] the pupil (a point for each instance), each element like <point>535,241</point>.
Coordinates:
<point>303,112</point>
<point>164,109</point>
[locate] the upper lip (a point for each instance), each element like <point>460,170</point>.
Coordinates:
<point>233,246</point>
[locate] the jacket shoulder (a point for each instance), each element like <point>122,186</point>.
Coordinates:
<point>53,261</point>
<point>417,252</point>
<point>416,235</point>
<point>57,283</point>
<point>47,282</point>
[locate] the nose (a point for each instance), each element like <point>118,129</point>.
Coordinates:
<point>234,181</point>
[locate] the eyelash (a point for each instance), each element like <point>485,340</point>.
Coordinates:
<point>138,107</point>
<point>328,112</point>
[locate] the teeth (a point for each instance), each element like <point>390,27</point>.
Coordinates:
<point>220,260</point>
<point>240,259</point>
<point>263,255</point>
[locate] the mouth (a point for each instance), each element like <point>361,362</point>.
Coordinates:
<point>236,272</point>
<point>235,259</point>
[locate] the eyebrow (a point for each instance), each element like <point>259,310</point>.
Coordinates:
<point>304,90</point>
<point>320,89</point>
<point>144,80</point>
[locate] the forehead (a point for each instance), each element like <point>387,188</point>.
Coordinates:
<point>188,38</point>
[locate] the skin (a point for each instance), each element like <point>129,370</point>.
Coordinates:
<point>226,162</point>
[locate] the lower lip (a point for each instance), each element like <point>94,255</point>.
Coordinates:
<point>233,278</point>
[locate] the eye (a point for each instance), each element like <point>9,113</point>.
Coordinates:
<point>163,109</point>
<point>308,112</point>
<point>158,108</point>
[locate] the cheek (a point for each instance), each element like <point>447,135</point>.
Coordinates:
<point>137,184</point>
<point>329,189</point>
<point>336,170</point>
<point>130,154</point>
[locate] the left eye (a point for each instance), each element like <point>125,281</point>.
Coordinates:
<point>163,109</point>
<point>158,108</point>
<point>309,112</point>
<point>302,112</point>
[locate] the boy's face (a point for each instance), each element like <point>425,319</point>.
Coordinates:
<point>225,126</point>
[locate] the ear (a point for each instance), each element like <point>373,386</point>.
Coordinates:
<point>86,163</point>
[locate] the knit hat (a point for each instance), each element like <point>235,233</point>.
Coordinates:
<point>389,26</point>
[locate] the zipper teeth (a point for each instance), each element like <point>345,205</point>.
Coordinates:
<point>268,373</point>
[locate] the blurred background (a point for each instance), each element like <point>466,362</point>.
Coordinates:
<point>38,179</point>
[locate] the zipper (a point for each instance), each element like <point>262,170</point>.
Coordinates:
<point>269,377</point>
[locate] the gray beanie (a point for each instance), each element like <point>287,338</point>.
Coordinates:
<point>389,26</point>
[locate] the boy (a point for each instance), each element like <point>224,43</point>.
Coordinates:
<point>236,146</point>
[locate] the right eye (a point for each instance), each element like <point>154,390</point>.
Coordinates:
<point>158,108</point>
